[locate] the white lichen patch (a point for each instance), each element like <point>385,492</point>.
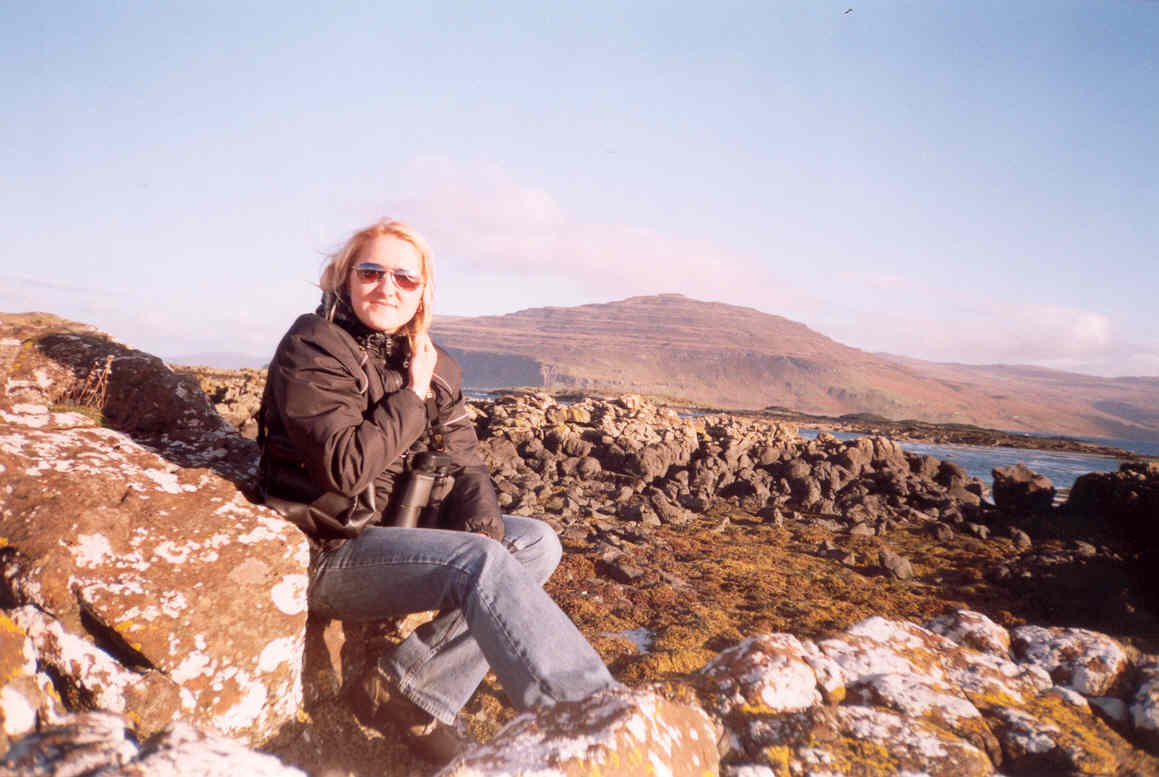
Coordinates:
<point>1025,734</point>
<point>16,711</point>
<point>194,665</point>
<point>890,730</point>
<point>173,604</point>
<point>974,630</point>
<point>911,696</point>
<point>167,481</point>
<point>32,420</point>
<point>286,650</point>
<point>289,595</point>
<point>243,714</point>
<point>860,657</point>
<point>89,550</point>
<point>174,553</point>
<point>266,529</point>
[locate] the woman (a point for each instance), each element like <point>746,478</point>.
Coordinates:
<point>355,391</point>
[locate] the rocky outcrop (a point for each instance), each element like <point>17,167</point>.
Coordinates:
<point>105,745</point>
<point>888,697</point>
<point>236,395</point>
<point>960,696</point>
<point>619,732</point>
<point>136,577</point>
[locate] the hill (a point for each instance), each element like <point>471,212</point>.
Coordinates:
<point>736,357</point>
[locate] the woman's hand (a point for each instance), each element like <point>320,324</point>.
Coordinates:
<point>422,365</point>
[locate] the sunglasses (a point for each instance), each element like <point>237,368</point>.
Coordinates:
<point>369,272</point>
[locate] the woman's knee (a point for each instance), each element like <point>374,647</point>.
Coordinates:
<point>535,545</point>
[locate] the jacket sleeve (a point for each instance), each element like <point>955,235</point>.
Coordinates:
<point>320,391</point>
<point>471,505</point>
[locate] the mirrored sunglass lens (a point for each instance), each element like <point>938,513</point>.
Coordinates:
<point>367,275</point>
<point>407,281</point>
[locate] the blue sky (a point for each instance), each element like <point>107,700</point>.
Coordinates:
<point>953,181</point>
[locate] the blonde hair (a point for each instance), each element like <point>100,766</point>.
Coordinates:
<point>336,274</point>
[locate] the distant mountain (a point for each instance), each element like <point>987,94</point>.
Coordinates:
<point>225,361</point>
<point>736,357</point>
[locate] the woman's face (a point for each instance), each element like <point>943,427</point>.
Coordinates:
<point>381,304</point>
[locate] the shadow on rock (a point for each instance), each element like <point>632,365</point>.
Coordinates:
<point>137,394</point>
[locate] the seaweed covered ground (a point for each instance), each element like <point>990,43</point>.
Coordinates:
<point>659,602</point>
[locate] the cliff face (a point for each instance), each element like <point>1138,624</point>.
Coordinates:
<point>735,357</point>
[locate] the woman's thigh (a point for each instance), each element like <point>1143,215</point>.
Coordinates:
<point>389,571</point>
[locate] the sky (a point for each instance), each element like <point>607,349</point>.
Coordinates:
<point>968,182</point>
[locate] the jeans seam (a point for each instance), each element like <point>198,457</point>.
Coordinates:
<point>512,643</point>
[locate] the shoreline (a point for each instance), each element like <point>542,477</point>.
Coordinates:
<point>907,430</point>
<point>951,434</point>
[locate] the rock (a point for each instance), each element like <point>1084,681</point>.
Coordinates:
<point>623,570</point>
<point>895,565</point>
<point>951,474</point>
<point>881,697</point>
<point>1056,731</point>
<point>942,532</point>
<point>1022,541</point>
<point>617,732</point>
<point>102,743</point>
<point>144,581</point>
<point>1083,660</point>
<point>1144,704</point>
<point>771,673</point>
<point>669,513</point>
<point>1085,549</point>
<point>1018,489</point>
<point>973,630</point>
<point>978,530</point>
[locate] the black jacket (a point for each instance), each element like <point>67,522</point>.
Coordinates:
<point>338,410</point>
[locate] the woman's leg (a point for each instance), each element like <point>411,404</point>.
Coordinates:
<point>498,613</point>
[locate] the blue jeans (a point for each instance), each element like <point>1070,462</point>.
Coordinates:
<point>494,613</point>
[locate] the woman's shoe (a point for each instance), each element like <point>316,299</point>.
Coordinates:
<point>378,705</point>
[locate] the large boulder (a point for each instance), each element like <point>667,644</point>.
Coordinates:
<point>888,697</point>
<point>612,734</point>
<point>133,567</point>
<point>1017,488</point>
<point>104,744</point>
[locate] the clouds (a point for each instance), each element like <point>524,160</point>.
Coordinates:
<point>482,220</point>
<point>525,248</point>
<point>504,243</point>
<point>1002,332</point>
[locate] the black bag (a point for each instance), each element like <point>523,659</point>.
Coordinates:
<point>326,515</point>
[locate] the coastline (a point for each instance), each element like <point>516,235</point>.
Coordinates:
<point>907,430</point>
<point>950,434</point>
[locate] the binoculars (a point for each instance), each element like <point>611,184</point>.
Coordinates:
<point>425,468</point>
